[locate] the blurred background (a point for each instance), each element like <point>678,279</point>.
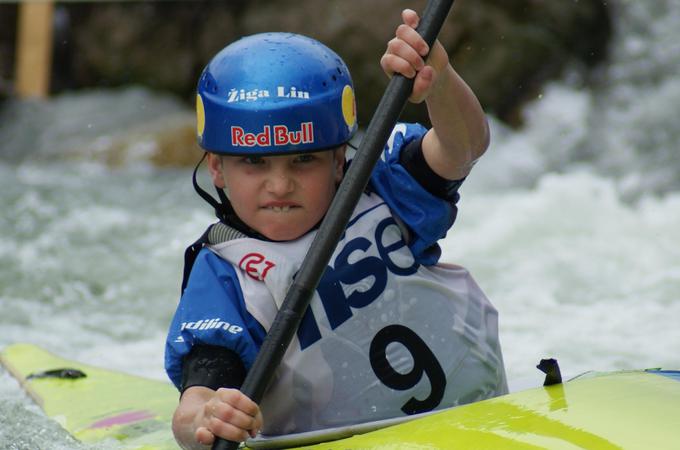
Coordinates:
<point>570,222</point>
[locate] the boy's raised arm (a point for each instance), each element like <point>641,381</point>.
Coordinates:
<point>460,132</point>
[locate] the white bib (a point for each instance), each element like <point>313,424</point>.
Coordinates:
<point>386,336</point>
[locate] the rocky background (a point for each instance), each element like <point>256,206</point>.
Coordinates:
<point>505,49</point>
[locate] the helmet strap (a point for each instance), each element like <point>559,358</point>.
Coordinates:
<point>223,209</point>
<point>219,207</point>
<point>224,199</point>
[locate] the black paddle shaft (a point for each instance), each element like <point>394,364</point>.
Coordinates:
<point>333,225</point>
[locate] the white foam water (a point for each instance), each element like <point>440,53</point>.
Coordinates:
<point>570,226</point>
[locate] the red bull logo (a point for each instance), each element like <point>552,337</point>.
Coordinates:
<point>273,136</point>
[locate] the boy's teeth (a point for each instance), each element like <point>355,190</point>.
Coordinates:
<point>280,209</point>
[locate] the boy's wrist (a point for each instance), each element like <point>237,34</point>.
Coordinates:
<point>444,84</point>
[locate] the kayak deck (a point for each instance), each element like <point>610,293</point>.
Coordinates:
<point>603,411</point>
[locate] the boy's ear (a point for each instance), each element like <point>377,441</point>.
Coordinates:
<point>215,169</point>
<point>339,163</point>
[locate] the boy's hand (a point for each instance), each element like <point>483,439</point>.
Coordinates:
<point>405,53</point>
<point>230,415</point>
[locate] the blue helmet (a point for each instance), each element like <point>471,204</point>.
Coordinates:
<point>275,93</point>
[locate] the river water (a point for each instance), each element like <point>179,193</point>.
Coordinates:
<point>571,225</point>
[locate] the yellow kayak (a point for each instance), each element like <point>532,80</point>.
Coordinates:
<point>614,410</point>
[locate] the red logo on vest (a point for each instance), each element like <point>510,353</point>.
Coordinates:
<point>276,135</point>
<point>255,266</point>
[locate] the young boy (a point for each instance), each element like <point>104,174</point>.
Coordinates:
<point>389,331</point>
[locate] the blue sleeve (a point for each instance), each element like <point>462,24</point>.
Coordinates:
<point>427,216</point>
<point>211,311</point>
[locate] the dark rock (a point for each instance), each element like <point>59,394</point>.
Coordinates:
<point>505,49</point>
<point>162,45</point>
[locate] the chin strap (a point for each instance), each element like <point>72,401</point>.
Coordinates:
<point>222,207</point>
<point>225,203</point>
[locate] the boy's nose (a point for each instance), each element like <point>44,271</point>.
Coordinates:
<point>280,183</point>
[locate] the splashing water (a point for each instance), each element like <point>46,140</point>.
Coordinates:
<point>570,225</point>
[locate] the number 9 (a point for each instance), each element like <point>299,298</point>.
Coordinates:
<point>424,361</point>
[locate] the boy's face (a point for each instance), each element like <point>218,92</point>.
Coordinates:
<point>281,197</point>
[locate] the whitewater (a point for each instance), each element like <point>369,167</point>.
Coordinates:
<point>570,224</point>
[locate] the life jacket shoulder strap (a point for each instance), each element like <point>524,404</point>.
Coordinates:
<point>215,234</point>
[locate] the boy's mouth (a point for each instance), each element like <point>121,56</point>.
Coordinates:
<point>279,207</point>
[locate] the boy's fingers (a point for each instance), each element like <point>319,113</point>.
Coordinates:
<point>405,55</point>
<point>204,436</point>
<point>411,37</point>
<point>392,64</point>
<point>227,430</point>
<point>410,18</point>
<point>422,84</point>
<point>257,425</point>
<point>401,49</point>
<point>238,400</point>
<point>259,421</point>
<point>229,414</point>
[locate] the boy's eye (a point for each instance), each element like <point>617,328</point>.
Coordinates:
<point>307,157</point>
<point>253,159</point>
